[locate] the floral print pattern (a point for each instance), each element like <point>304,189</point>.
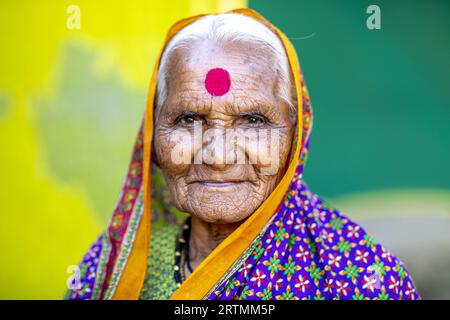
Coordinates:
<point>312,251</point>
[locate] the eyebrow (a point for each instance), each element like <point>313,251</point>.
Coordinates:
<point>241,107</point>
<point>252,106</point>
<point>184,107</point>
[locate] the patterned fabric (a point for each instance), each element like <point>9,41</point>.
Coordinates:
<point>114,245</point>
<point>160,282</point>
<point>311,251</point>
<point>307,250</point>
<point>83,282</point>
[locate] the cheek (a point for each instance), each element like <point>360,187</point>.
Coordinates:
<point>174,151</point>
<point>286,140</point>
<point>268,150</point>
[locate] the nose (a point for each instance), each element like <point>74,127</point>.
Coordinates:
<point>213,151</point>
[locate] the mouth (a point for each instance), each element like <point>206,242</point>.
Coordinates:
<point>218,183</point>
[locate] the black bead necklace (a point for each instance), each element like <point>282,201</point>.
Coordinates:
<point>182,254</point>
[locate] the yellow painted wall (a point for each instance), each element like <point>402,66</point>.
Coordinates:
<point>57,129</point>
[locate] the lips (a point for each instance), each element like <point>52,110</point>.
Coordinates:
<point>217,183</point>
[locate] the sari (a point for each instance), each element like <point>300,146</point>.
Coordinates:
<point>294,246</point>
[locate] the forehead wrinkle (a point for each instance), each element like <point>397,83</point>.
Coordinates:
<point>189,72</point>
<point>239,80</point>
<point>241,94</point>
<point>181,79</point>
<point>188,92</point>
<point>245,104</point>
<point>242,90</point>
<point>247,89</point>
<point>194,104</point>
<point>187,58</point>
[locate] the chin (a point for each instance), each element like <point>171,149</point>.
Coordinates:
<point>219,204</point>
<point>217,215</point>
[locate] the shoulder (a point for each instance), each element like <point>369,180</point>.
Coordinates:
<point>355,265</point>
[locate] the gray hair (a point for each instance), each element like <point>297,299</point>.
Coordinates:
<point>229,27</point>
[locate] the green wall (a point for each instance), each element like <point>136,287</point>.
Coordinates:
<point>381,97</point>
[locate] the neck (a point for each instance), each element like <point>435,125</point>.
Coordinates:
<point>205,237</point>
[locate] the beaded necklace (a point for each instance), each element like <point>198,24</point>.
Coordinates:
<point>182,259</point>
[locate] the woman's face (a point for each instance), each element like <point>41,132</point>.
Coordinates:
<point>222,149</point>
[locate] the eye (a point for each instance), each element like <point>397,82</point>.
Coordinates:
<point>187,119</point>
<point>255,119</point>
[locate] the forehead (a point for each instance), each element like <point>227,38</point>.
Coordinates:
<point>249,68</point>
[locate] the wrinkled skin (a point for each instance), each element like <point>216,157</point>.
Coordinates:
<point>220,196</point>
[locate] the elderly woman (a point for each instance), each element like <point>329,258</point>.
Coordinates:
<point>213,205</point>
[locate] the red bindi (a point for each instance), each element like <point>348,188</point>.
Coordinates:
<point>217,82</point>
